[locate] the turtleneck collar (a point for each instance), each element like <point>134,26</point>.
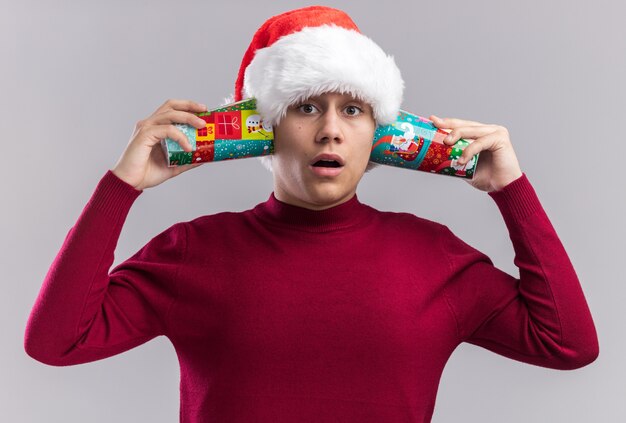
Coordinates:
<point>345,215</point>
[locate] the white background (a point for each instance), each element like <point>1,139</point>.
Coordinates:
<point>76,76</point>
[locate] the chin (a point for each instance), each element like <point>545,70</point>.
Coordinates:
<point>313,192</point>
<point>328,195</point>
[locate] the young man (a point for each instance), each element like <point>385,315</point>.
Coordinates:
<point>295,310</point>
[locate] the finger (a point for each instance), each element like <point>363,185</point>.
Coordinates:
<point>185,105</point>
<point>159,132</point>
<point>484,143</point>
<point>468,132</point>
<point>452,122</point>
<point>174,116</point>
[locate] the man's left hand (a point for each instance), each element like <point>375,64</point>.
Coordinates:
<point>497,164</point>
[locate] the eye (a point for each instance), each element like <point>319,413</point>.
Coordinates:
<point>306,108</point>
<point>352,110</point>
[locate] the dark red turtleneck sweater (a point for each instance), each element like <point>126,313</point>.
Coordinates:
<point>284,314</point>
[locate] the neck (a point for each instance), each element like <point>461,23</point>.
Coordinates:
<point>349,214</point>
<point>323,203</point>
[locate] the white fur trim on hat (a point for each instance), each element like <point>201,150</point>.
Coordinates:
<point>320,59</point>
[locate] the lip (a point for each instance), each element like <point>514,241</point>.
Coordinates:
<point>328,156</point>
<point>327,171</point>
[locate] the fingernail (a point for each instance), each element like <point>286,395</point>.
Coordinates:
<point>448,138</point>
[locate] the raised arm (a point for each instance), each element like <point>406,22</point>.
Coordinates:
<point>540,318</point>
<point>83,313</point>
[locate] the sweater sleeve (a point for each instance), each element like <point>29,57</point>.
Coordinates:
<point>84,313</point>
<point>540,318</point>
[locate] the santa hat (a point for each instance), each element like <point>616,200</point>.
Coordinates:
<point>307,52</point>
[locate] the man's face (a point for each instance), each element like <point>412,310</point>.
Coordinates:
<point>332,123</point>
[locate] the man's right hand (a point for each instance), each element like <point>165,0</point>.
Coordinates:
<point>143,164</point>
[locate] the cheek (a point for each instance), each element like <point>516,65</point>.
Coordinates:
<point>284,159</point>
<point>365,145</point>
<point>289,143</point>
<point>284,152</point>
<point>284,136</point>
<point>281,145</point>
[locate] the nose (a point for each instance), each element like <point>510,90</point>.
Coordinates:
<point>330,129</point>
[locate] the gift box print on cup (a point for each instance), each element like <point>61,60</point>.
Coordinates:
<point>233,131</point>
<point>237,131</point>
<point>413,142</point>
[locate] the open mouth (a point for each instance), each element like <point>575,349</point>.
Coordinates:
<point>326,168</point>
<point>327,163</point>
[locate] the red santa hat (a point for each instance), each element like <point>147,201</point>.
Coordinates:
<point>309,51</point>
<point>313,50</point>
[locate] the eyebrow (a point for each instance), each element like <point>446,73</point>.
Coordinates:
<point>348,100</point>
